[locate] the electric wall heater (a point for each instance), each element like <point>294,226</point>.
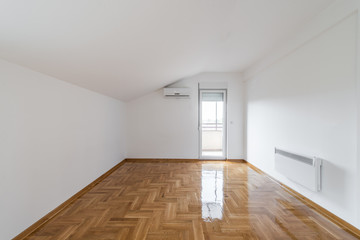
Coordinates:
<point>303,170</point>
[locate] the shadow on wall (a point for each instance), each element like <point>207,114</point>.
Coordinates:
<point>334,179</point>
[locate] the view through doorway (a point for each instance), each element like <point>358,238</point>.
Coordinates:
<point>212,124</point>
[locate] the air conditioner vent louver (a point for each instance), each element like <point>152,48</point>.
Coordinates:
<point>177,92</point>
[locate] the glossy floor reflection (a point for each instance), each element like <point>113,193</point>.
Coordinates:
<point>158,199</point>
<point>212,195</point>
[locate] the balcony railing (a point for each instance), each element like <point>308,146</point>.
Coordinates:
<point>212,126</point>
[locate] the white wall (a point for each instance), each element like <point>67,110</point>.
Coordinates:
<point>305,101</point>
<point>168,128</point>
<point>55,138</point>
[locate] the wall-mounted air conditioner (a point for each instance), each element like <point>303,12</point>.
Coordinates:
<point>177,92</point>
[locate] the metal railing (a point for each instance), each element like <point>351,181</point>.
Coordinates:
<point>212,126</point>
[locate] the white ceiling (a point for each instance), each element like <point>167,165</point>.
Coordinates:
<point>126,48</point>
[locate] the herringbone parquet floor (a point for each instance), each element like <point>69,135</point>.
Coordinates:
<point>188,200</point>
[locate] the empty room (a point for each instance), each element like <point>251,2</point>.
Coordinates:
<point>179,119</point>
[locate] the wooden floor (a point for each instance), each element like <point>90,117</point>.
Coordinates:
<point>188,200</point>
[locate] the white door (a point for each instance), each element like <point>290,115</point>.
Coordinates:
<point>212,124</point>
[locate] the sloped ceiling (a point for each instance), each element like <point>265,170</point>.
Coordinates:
<point>126,48</point>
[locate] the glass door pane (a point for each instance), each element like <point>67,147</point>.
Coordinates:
<point>212,124</point>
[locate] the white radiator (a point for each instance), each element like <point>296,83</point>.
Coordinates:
<point>300,169</point>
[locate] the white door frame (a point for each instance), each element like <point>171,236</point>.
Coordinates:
<point>224,156</point>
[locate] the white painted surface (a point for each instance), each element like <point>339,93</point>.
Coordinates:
<point>358,116</point>
<point>327,18</point>
<point>128,48</point>
<point>159,127</point>
<point>306,102</point>
<point>55,138</point>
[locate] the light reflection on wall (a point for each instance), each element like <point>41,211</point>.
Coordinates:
<point>212,193</point>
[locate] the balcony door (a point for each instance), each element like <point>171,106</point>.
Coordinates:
<point>212,124</point>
